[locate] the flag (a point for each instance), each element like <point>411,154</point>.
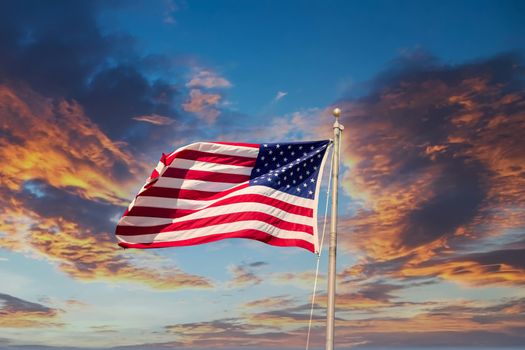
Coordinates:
<point>208,191</point>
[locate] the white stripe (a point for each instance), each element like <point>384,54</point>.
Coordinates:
<point>214,167</point>
<point>217,229</point>
<point>223,209</point>
<point>231,150</point>
<point>177,203</point>
<point>200,185</point>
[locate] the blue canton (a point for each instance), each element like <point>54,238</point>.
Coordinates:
<point>290,167</point>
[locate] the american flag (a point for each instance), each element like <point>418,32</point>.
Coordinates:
<point>208,191</point>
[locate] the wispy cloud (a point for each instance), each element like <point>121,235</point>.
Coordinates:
<point>154,119</point>
<point>204,78</point>
<point>279,96</point>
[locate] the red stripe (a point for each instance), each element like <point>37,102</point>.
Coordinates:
<point>251,145</point>
<point>189,174</point>
<point>243,198</point>
<point>188,194</point>
<point>247,233</point>
<point>214,220</point>
<point>211,158</point>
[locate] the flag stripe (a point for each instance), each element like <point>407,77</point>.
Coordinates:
<point>214,158</point>
<point>243,198</point>
<point>247,233</point>
<point>217,229</point>
<point>240,144</point>
<point>198,185</point>
<point>220,147</point>
<point>190,174</point>
<point>144,220</point>
<point>207,222</point>
<point>204,166</point>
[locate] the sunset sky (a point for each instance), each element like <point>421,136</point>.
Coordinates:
<point>432,207</point>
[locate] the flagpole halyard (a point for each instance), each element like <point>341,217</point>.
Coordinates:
<point>332,249</point>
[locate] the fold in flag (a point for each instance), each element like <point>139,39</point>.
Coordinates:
<point>208,191</point>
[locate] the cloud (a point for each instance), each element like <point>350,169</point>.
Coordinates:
<point>19,313</point>
<point>74,60</point>
<point>203,105</point>
<point>242,276</point>
<point>54,141</point>
<point>87,255</point>
<point>279,96</point>
<point>154,119</point>
<point>436,165</point>
<point>170,9</point>
<point>208,79</point>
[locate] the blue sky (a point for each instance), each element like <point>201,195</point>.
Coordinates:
<point>432,205</point>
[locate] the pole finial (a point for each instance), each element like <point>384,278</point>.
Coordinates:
<point>336,112</point>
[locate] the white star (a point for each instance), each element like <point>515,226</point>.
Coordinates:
<point>292,153</point>
<point>297,169</point>
<point>278,165</point>
<point>265,145</point>
<point>304,154</point>
<point>304,185</point>
<point>315,167</point>
<point>284,178</point>
<point>262,158</point>
<point>255,181</point>
<point>307,172</point>
<point>301,177</point>
<point>287,186</point>
<point>310,192</point>
<point>298,189</point>
<point>289,146</point>
<point>258,170</point>
<point>293,181</point>
<point>311,160</point>
<point>278,146</point>
<point>300,147</point>
<point>304,164</point>
<point>285,159</point>
<point>265,164</point>
<point>274,159</point>
<point>318,156</point>
<point>291,173</point>
<point>312,180</point>
<point>312,147</point>
<point>278,182</point>
<point>270,152</point>
<point>281,153</point>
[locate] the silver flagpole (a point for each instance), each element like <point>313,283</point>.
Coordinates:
<point>332,250</point>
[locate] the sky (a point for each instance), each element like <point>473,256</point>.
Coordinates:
<point>432,207</point>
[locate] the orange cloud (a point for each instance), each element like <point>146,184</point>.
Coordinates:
<point>202,104</point>
<point>19,313</point>
<point>436,160</point>
<point>87,255</point>
<point>55,141</point>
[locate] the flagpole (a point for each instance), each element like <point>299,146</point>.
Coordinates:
<point>332,249</point>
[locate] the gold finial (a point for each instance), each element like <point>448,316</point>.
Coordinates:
<point>336,112</point>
